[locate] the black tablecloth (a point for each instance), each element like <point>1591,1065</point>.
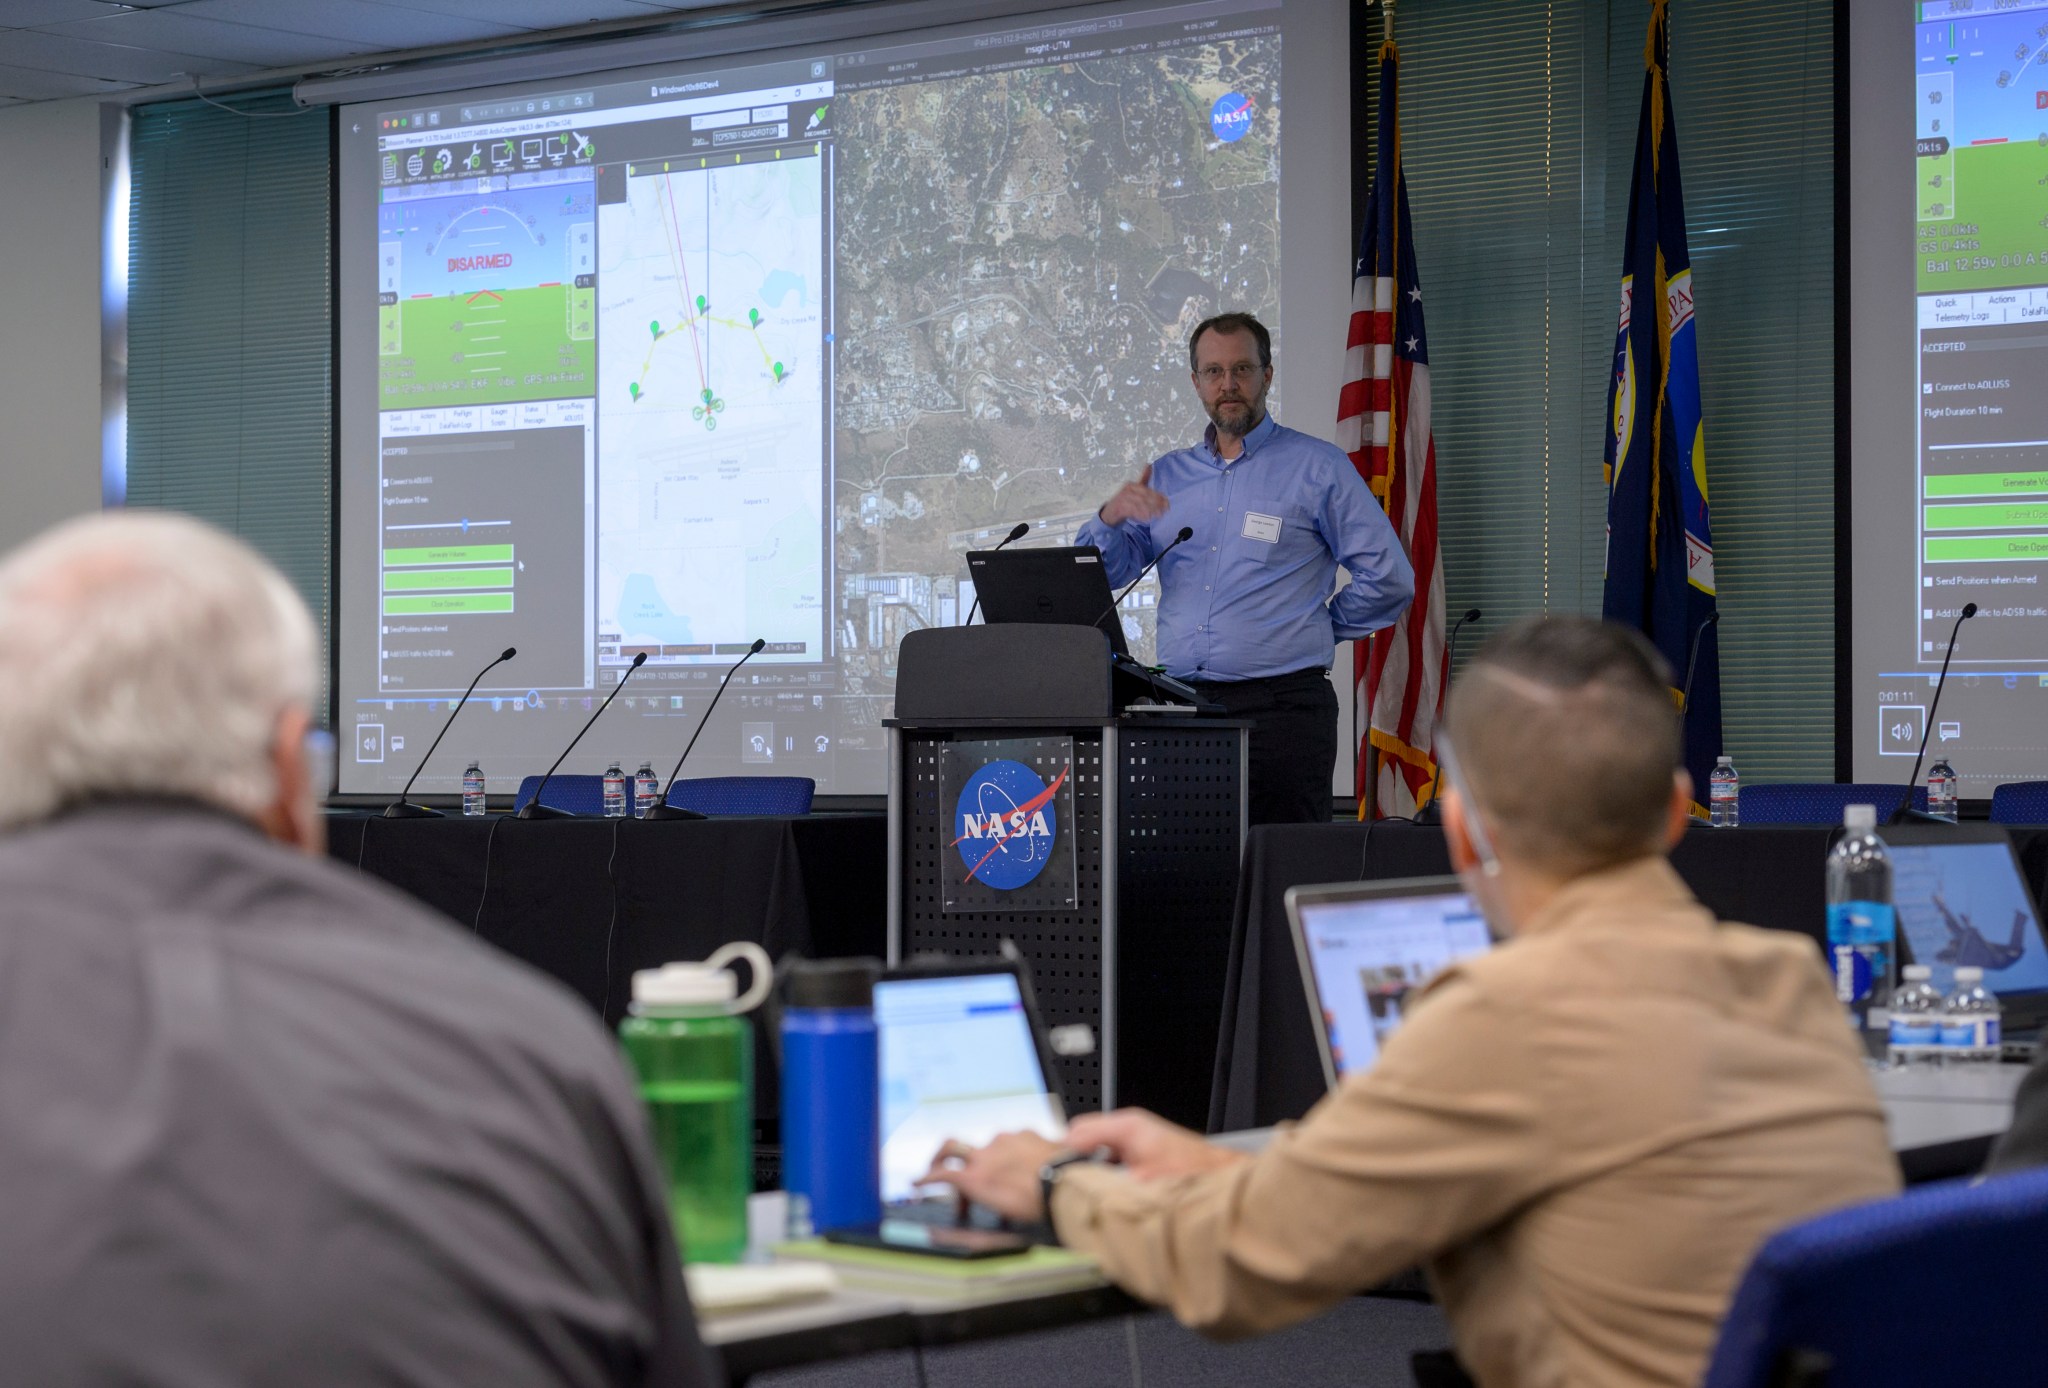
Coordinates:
<point>591,900</point>
<point>1267,1069</point>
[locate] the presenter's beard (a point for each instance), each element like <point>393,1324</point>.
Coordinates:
<point>1237,417</point>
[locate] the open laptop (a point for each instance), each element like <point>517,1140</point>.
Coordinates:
<point>1961,899</point>
<point>1055,586</point>
<point>1067,586</point>
<point>962,1055</point>
<point>1364,946</point>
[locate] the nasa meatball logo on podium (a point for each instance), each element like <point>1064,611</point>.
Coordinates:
<point>1009,840</point>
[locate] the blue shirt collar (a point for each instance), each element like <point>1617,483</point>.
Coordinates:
<point>1256,439</point>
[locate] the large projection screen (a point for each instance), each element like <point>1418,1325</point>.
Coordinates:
<point>670,358</point>
<point>1947,419</point>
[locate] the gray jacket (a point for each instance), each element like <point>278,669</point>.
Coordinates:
<point>264,1121</point>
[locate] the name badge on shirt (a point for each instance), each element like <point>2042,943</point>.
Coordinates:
<point>1258,527</point>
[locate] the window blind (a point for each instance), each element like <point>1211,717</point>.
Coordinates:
<point>230,329</point>
<point>1518,125</point>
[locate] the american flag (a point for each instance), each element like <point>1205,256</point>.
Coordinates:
<point>1383,423</point>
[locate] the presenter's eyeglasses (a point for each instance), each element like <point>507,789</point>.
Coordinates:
<point>1244,371</point>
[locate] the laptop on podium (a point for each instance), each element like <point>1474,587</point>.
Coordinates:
<point>1067,586</point>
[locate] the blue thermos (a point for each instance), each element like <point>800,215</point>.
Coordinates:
<point>831,1098</point>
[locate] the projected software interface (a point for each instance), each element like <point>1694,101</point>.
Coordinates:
<point>1964,904</point>
<point>1369,955</point>
<point>1980,485</point>
<point>958,1060</point>
<point>663,361</point>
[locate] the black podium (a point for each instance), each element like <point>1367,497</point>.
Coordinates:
<point>1038,796</point>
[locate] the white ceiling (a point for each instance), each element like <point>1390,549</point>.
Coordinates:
<point>59,48</point>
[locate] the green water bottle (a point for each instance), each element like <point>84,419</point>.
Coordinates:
<point>693,1049</point>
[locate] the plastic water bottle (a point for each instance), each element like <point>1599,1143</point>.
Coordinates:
<point>646,789</point>
<point>1916,1013</point>
<point>614,792</point>
<point>1725,797</point>
<point>693,1052</point>
<point>1941,791</point>
<point>1862,926</point>
<point>473,790</point>
<point>1970,1021</point>
<point>831,1099</point>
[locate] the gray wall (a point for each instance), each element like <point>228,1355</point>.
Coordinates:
<point>50,225</point>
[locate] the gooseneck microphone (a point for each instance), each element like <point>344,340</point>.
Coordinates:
<point>1433,813</point>
<point>1905,811</point>
<point>661,809</point>
<point>1017,532</point>
<point>1187,532</point>
<point>400,808</point>
<point>1692,661</point>
<point>533,809</point>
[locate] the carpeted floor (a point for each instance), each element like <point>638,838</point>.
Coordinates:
<point>1363,1343</point>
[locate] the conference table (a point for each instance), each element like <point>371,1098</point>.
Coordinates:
<point>1937,1119</point>
<point>1267,1067</point>
<point>589,901</point>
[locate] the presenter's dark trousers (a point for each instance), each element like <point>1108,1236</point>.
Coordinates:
<point>1293,741</point>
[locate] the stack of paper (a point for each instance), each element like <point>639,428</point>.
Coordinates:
<point>1037,1271</point>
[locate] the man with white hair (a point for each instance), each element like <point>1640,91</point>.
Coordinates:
<point>264,1121</point>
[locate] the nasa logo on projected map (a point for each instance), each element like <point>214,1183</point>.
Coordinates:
<point>711,458</point>
<point>1009,799</point>
<point>485,296</point>
<point>1231,117</point>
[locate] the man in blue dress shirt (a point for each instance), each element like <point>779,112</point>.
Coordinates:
<point>1246,611</point>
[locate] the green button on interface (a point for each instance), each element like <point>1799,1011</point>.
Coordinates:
<point>1987,549</point>
<point>431,604</point>
<point>400,580</point>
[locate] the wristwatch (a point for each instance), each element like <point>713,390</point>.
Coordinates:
<point>1049,1176</point>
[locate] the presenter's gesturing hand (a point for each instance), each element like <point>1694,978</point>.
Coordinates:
<point>1135,501</point>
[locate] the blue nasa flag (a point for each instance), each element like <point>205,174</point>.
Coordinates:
<point>1660,544</point>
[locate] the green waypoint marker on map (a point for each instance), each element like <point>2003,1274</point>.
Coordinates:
<point>701,305</point>
<point>655,327</point>
<point>634,390</point>
<point>754,316</point>
<point>778,371</point>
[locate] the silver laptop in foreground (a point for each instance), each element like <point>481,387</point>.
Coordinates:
<point>1364,946</point>
<point>1962,900</point>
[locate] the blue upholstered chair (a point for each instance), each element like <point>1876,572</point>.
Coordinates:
<point>576,794</point>
<point>1819,802</point>
<point>1943,1284</point>
<point>2020,802</point>
<point>744,794</point>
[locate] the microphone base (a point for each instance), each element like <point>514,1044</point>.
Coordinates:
<point>1910,816</point>
<point>672,812</point>
<point>405,809</point>
<point>533,809</point>
<point>1432,813</point>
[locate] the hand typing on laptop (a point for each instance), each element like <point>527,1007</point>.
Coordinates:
<point>1005,1175</point>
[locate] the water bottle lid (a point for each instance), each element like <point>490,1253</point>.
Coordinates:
<point>833,983</point>
<point>1859,816</point>
<point>1969,974</point>
<point>685,985</point>
<point>1914,972</point>
<point>1724,761</point>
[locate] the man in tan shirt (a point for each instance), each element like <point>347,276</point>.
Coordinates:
<point>1583,1134</point>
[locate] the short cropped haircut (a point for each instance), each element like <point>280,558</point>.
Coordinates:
<point>1233,323</point>
<point>144,653</point>
<point>1567,736</point>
